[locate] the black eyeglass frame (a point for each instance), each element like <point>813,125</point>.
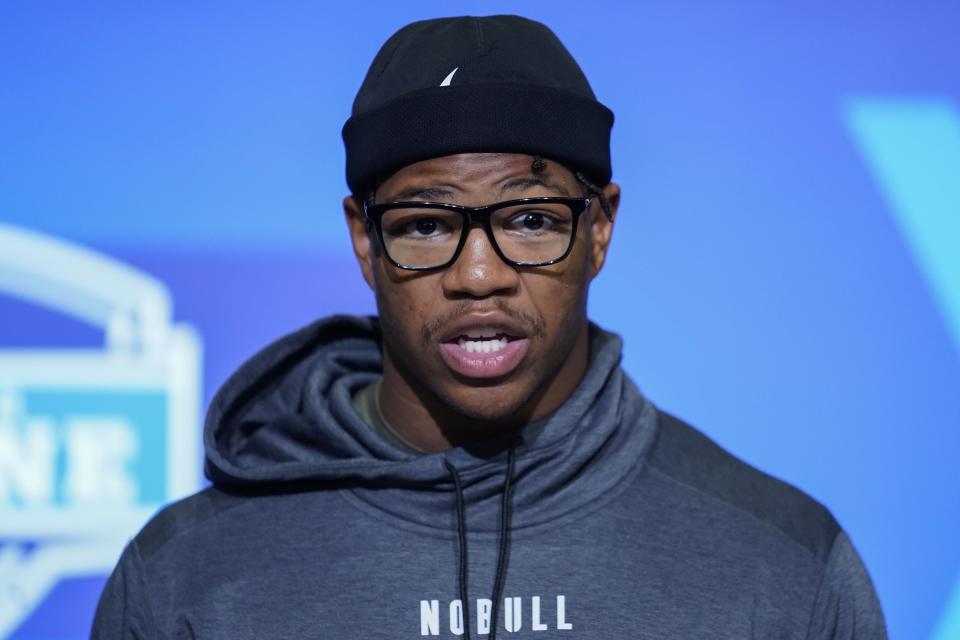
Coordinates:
<point>476,216</point>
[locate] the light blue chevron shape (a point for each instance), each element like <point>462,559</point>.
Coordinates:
<point>913,149</point>
<point>949,626</point>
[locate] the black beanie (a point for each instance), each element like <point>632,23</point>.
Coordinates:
<point>461,85</point>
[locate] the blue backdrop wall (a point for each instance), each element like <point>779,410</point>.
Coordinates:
<point>785,269</point>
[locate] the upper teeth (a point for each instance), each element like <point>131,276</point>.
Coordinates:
<point>482,346</point>
<point>482,332</point>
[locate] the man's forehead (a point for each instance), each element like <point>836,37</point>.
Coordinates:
<point>469,172</point>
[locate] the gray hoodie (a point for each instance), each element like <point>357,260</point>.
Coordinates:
<point>608,519</point>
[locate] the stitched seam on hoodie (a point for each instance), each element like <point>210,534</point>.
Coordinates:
<point>820,584</point>
<point>181,532</point>
<point>734,507</point>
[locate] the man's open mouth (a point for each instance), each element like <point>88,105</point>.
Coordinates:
<point>484,347</point>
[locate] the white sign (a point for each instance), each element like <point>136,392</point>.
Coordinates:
<point>92,441</point>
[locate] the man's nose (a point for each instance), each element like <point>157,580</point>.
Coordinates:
<point>479,272</point>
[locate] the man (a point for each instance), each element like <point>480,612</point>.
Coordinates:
<point>474,462</point>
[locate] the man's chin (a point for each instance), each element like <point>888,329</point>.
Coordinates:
<point>488,404</point>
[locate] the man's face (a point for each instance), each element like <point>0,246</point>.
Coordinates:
<point>533,318</point>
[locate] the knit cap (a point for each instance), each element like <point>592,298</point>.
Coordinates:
<point>475,84</point>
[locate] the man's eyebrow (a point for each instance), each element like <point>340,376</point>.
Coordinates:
<point>519,184</point>
<point>423,193</point>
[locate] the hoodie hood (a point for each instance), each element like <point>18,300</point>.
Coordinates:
<point>286,418</point>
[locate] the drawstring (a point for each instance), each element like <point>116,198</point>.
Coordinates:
<point>462,535</point>
<point>506,511</point>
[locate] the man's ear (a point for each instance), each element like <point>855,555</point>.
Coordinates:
<point>601,227</point>
<point>361,237</point>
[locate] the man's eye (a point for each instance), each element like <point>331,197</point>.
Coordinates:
<point>533,221</point>
<point>423,227</point>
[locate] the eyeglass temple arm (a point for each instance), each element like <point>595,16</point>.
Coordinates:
<point>594,190</point>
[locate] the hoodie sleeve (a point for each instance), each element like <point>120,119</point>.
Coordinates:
<point>123,610</point>
<point>846,607</point>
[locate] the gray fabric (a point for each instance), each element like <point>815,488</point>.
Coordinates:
<point>366,402</point>
<point>846,604</point>
<point>627,523</point>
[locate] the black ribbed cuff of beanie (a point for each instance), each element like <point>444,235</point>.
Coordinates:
<point>442,121</point>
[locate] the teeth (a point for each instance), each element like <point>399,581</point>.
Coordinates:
<point>482,346</point>
<point>482,332</point>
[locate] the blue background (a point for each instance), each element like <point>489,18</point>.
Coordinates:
<point>766,271</point>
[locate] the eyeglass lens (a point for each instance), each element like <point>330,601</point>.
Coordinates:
<point>528,232</point>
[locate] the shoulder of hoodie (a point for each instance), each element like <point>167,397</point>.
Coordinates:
<point>176,521</point>
<point>689,457</point>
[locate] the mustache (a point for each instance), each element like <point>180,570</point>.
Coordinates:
<point>534,323</point>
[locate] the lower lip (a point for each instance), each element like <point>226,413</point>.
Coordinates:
<point>484,365</point>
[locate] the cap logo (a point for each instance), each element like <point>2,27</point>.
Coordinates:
<point>446,81</point>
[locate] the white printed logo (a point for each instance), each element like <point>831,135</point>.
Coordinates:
<point>513,616</point>
<point>449,78</point>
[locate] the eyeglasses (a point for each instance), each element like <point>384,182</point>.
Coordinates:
<point>529,232</point>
